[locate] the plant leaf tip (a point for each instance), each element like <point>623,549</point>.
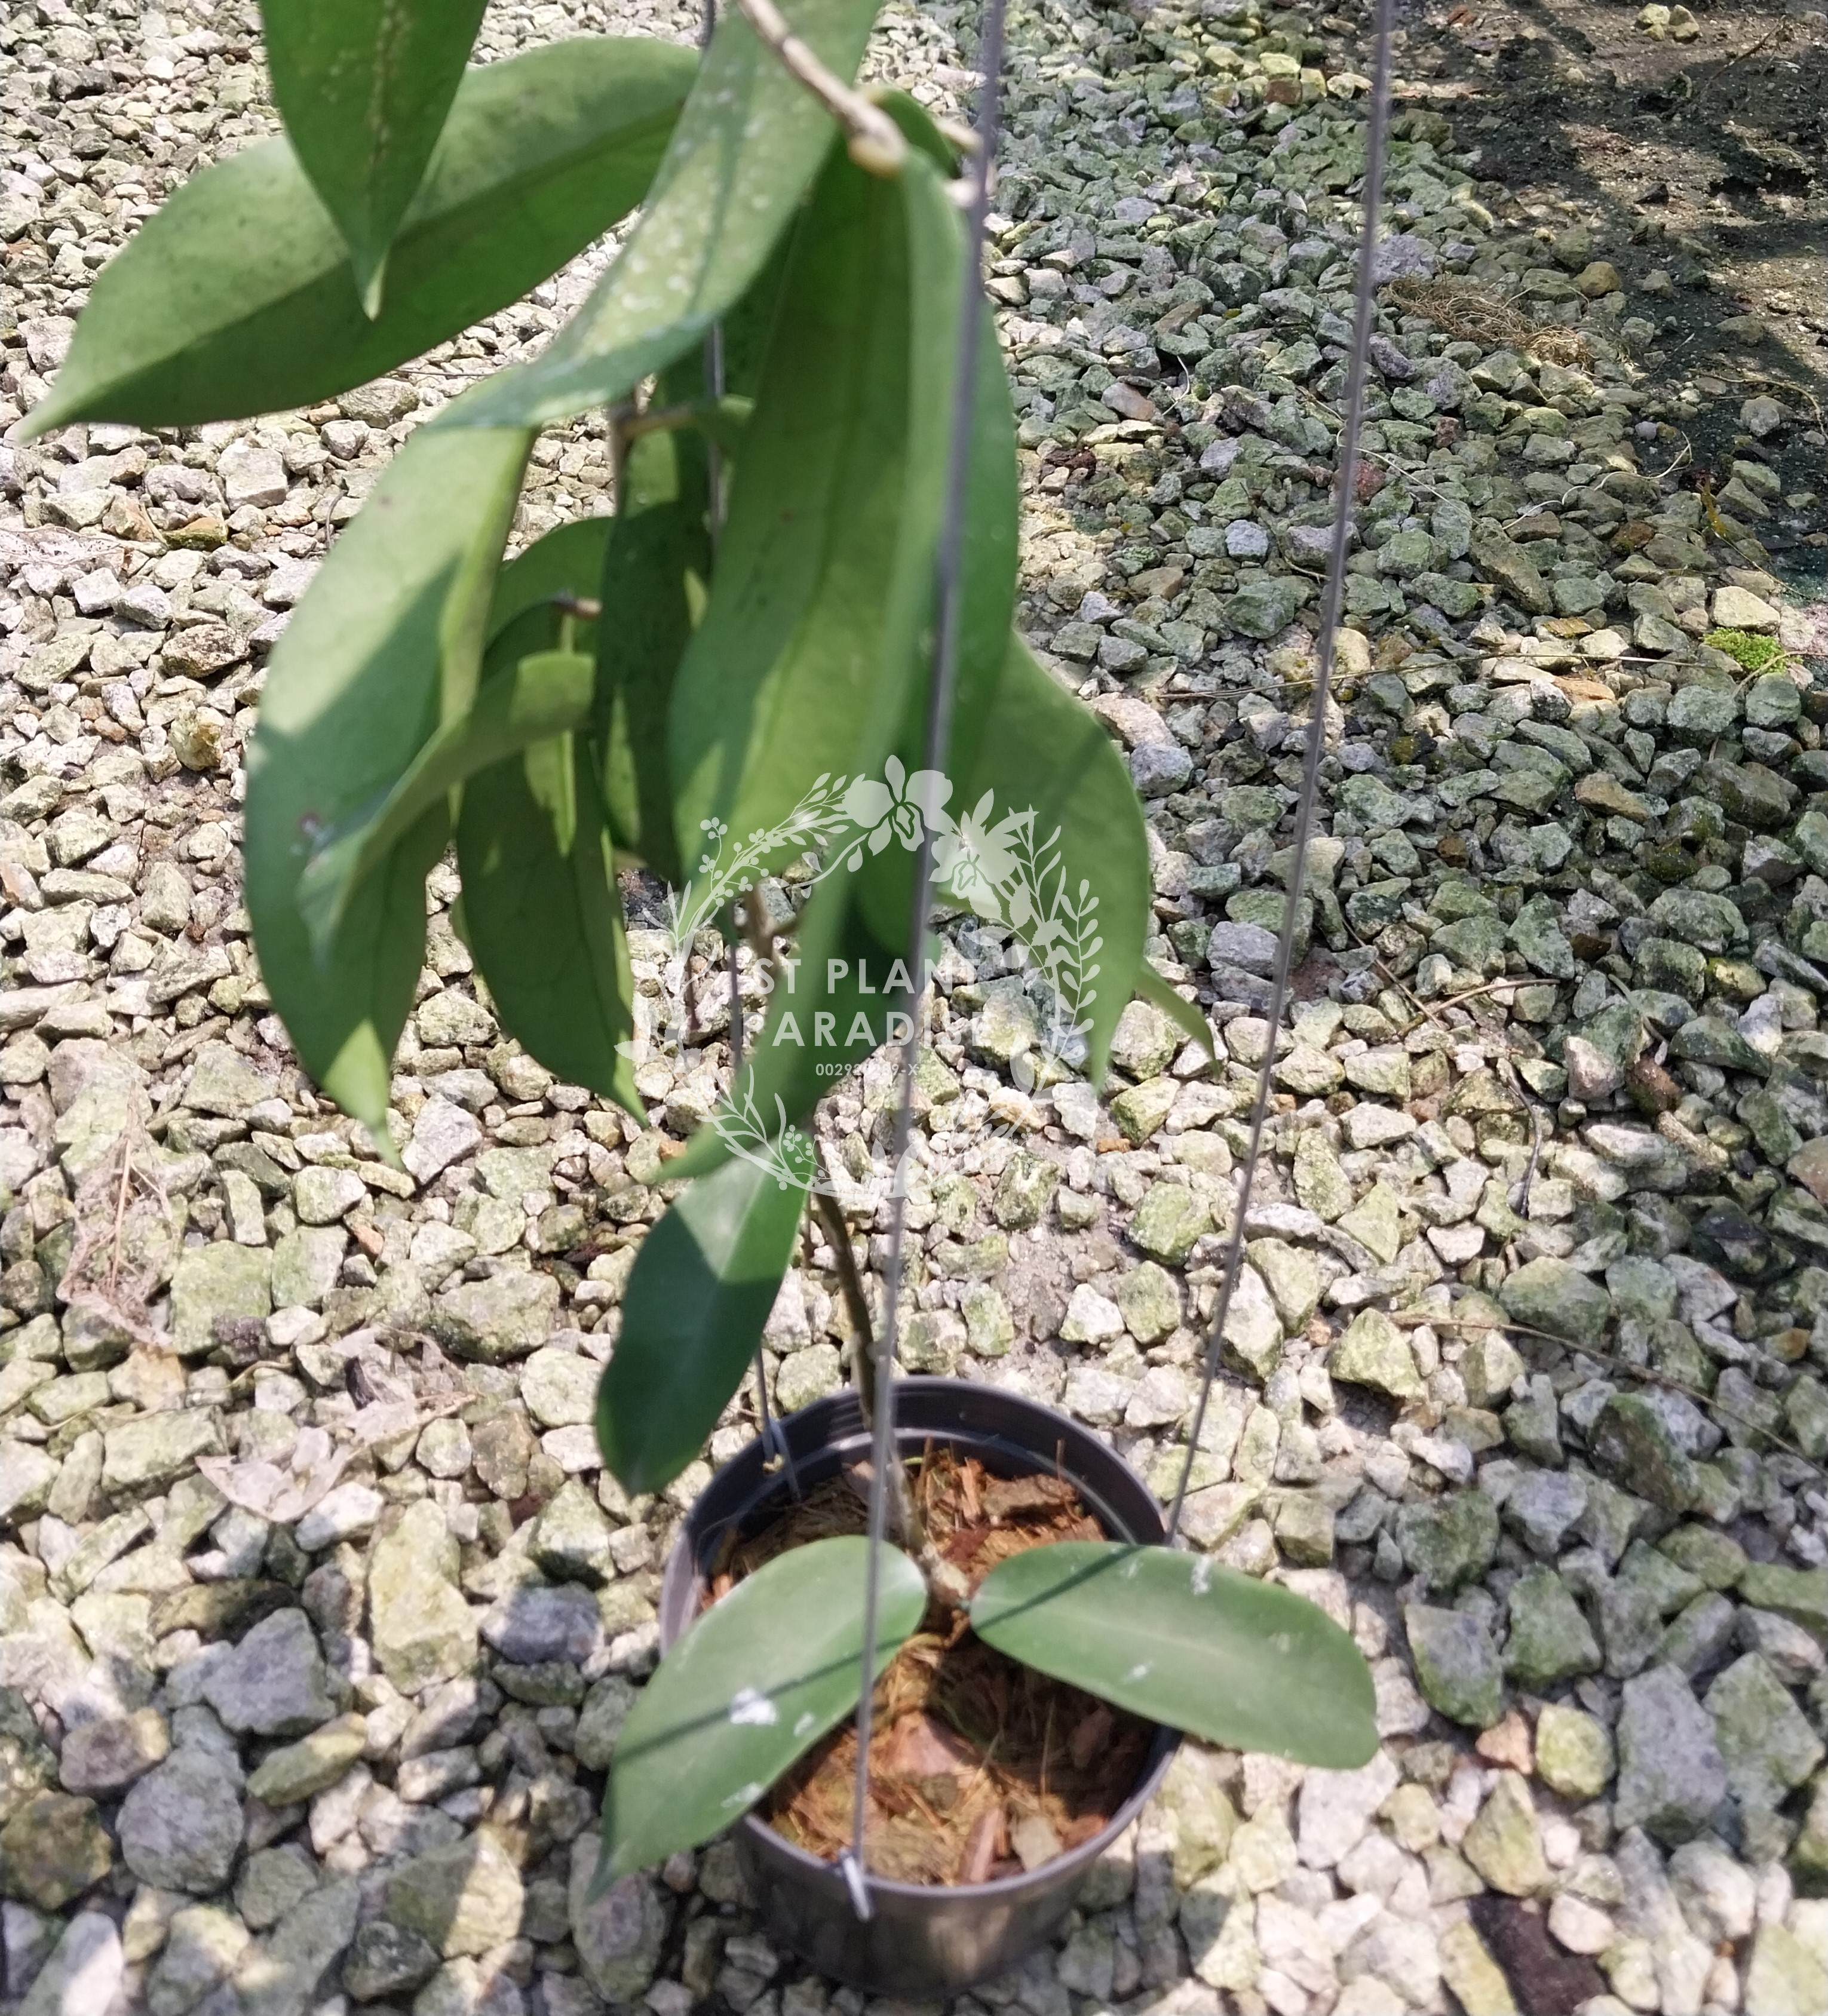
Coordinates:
<point>608,1874</point>
<point>370,284</point>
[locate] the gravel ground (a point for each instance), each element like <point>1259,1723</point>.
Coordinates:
<point>318,1618</point>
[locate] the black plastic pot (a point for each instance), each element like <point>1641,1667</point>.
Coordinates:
<point>923,1940</point>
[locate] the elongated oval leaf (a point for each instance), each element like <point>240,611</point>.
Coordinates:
<point>1179,1638</point>
<point>748,1691</point>
<point>543,696</point>
<point>543,915</point>
<point>237,297</point>
<point>805,660</point>
<point>364,89</point>
<point>992,501</point>
<point>1077,888</point>
<point>749,141</point>
<point>387,643</point>
<point>655,572</point>
<point>987,594</point>
<point>701,1289</point>
<point>806,664</point>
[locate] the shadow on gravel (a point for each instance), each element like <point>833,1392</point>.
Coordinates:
<point>1704,161</point>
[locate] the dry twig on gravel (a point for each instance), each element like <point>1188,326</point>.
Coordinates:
<point>1464,310</point>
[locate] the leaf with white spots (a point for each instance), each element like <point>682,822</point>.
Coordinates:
<point>1178,1638</point>
<point>364,90</point>
<point>752,1685</point>
<point>749,141</point>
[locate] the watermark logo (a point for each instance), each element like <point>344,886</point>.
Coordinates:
<point>1002,867</point>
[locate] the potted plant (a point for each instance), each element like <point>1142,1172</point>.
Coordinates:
<point>744,665</point>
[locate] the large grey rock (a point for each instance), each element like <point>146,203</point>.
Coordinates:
<point>306,1262</point>
<point>495,1321</point>
<point>1766,1741</point>
<point>1784,1977</point>
<point>1336,1807</point>
<point>1672,1776</point>
<point>422,1628</point>
<point>1633,1443</point>
<point>1450,1540</point>
<point>1456,1665</point>
<point>537,1623</point>
<point>142,1455</point>
<point>273,1683</point>
<point>464,1898</point>
<point>443,1133</point>
<point>619,1935</point>
<point>1550,1640</point>
<point>560,1388</point>
<point>106,1755</point>
<point>1374,1353</point>
<point>52,1847</point>
<point>82,1977</point>
<point>202,1947</point>
<point>26,1474</point>
<point>385,1960</point>
<point>1504,1844</point>
<point>181,1824</point>
<point>1549,1294</point>
<point>283,1974</point>
<point>222,1082</point>
<point>221,1280</point>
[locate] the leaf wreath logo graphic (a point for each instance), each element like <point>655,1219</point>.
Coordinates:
<point>1002,869</point>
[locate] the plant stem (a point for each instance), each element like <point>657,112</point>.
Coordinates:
<point>856,1302</point>
<point>940,1575</point>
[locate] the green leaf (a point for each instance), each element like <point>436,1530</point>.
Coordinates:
<point>1150,987</point>
<point>237,297</point>
<point>543,914</point>
<point>701,1289</point>
<point>749,141</point>
<point>804,662</point>
<point>364,90</point>
<point>386,644</point>
<point>919,128</point>
<point>987,597</point>
<point>568,562</point>
<point>1181,1640</point>
<point>656,571</point>
<point>756,1680</point>
<point>1078,887</point>
<point>542,696</point>
<point>801,670</point>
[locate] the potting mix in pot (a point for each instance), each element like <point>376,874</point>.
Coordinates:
<point>979,1767</point>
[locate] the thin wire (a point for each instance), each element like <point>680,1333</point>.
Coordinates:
<point>940,691</point>
<point>1363,305</point>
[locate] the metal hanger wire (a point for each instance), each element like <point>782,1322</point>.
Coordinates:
<point>940,692</point>
<point>1364,306</point>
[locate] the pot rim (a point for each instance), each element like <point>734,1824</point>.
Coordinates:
<point>768,1840</point>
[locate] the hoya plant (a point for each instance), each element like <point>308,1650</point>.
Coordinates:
<point>723,683</point>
